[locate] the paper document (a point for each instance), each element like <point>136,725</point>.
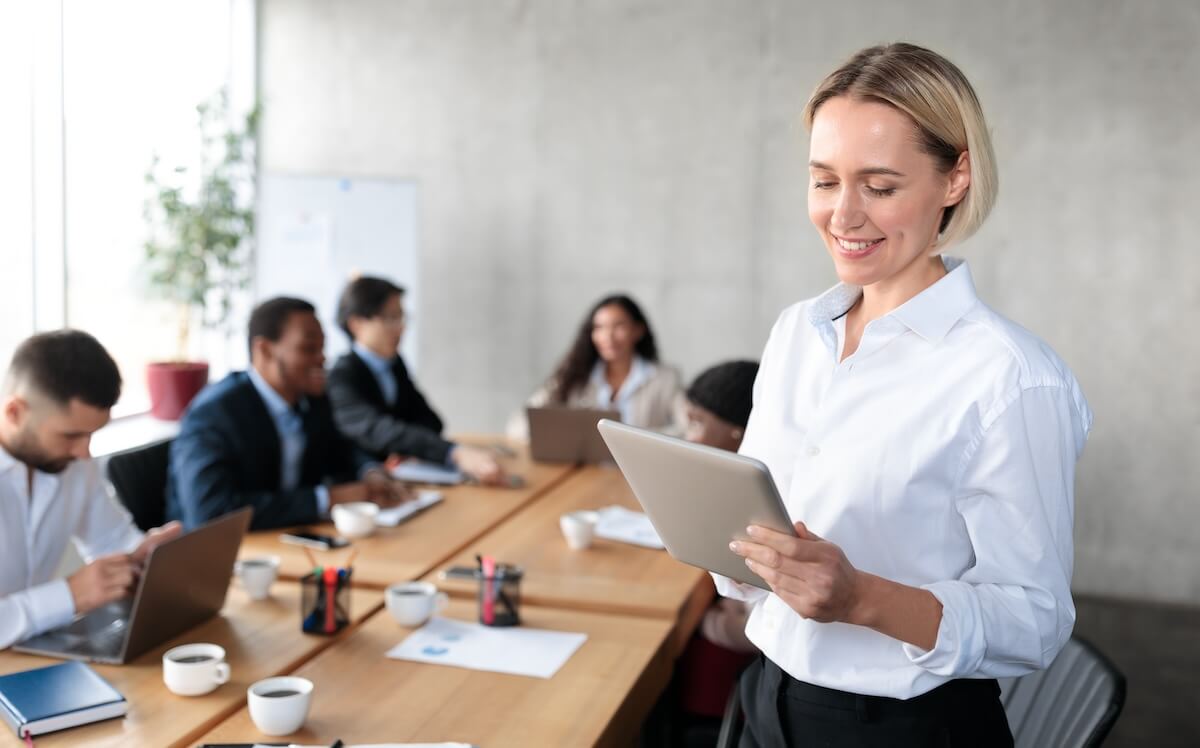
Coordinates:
<point>415,471</point>
<point>397,514</point>
<point>627,526</point>
<point>517,651</point>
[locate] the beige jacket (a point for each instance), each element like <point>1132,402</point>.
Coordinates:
<point>657,402</point>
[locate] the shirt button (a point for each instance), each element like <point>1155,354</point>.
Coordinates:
<point>813,451</point>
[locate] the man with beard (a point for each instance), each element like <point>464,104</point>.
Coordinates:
<point>57,393</point>
<point>265,438</point>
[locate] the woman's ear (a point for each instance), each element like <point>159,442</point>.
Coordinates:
<point>960,180</point>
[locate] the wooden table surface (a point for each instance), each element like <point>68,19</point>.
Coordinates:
<point>410,550</point>
<point>608,577</point>
<point>261,639</point>
<point>599,697</point>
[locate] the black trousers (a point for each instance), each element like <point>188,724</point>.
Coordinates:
<point>782,712</point>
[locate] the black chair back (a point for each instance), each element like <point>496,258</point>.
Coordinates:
<point>140,479</point>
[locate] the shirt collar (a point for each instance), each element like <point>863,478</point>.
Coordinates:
<point>7,461</point>
<point>929,314</point>
<point>639,373</point>
<point>373,360</point>
<point>275,403</point>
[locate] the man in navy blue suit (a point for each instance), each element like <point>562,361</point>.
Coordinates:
<point>265,438</point>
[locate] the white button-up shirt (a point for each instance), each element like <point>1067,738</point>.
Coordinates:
<point>941,455</point>
<point>74,505</point>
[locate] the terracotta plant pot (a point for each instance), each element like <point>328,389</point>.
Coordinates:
<point>173,385</point>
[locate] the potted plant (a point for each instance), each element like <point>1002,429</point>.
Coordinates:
<point>200,243</point>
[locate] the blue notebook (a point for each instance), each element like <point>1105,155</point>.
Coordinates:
<point>57,697</point>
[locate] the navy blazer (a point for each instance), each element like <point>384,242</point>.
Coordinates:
<point>408,427</point>
<point>227,456</point>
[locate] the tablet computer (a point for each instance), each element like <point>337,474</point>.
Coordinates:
<point>698,498</point>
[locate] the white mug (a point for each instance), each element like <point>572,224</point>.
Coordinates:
<point>257,575</point>
<point>194,669</point>
<point>579,528</point>
<point>279,706</point>
<point>355,519</point>
<point>412,603</point>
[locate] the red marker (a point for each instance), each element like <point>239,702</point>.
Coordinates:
<point>489,573</point>
<point>331,576</point>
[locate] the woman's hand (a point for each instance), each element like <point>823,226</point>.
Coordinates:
<point>817,581</point>
<point>808,573</point>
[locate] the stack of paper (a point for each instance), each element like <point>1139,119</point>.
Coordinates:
<point>397,514</point>
<point>627,526</point>
<point>517,651</point>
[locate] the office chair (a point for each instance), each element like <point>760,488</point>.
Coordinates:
<point>731,723</point>
<point>140,478</point>
<point>1072,704</point>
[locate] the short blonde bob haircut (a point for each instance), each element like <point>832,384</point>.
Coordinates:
<point>939,100</point>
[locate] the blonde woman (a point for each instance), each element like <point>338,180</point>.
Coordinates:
<point>924,444</point>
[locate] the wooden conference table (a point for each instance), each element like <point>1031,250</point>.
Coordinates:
<point>599,697</point>
<point>261,639</point>
<point>637,606</point>
<point>410,550</point>
<point>609,576</point>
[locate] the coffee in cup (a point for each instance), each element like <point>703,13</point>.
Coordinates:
<point>194,669</point>
<point>279,706</point>
<point>257,575</point>
<point>412,603</point>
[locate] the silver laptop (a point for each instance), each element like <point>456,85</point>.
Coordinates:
<point>184,584</point>
<point>562,434</point>
<point>698,498</point>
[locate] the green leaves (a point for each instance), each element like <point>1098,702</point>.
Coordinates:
<point>200,236</point>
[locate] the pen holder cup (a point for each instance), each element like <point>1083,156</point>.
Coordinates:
<point>500,596</point>
<point>324,604</point>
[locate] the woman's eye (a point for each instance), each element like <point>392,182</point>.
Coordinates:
<point>823,185</point>
<point>884,192</point>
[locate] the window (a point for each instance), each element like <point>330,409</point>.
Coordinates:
<point>109,86</point>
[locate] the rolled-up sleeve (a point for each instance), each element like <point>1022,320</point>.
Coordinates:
<point>1011,612</point>
<point>30,612</point>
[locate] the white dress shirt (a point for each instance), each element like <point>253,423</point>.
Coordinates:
<point>74,505</point>
<point>941,454</point>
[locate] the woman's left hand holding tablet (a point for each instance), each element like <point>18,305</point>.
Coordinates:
<point>810,574</point>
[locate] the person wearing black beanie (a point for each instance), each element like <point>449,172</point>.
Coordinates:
<point>719,402</point>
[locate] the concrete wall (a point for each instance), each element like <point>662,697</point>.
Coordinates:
<point>565,149</point>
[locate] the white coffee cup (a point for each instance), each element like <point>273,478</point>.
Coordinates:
<point>194,669</point>
<point>412,603</point>
<point>355,519</point>
<point>279,706</point>
<point>257,575</point>
<point>579,528</point>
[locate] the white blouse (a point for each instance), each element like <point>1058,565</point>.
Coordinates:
<point>941,454</point>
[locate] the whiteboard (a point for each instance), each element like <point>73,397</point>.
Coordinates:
<point>316,232</point>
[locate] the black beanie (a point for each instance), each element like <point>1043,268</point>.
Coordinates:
<point>726,390</point>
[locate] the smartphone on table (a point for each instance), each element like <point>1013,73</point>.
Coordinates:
<point>315,540</point>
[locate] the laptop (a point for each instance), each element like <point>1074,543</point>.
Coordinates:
<point>183,584</point>
<point>563,434</point>
<point>698,498</point>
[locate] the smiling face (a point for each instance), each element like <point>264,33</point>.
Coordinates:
<point>615,334</point>
<point>875,197</point>
<point>294,365</point>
